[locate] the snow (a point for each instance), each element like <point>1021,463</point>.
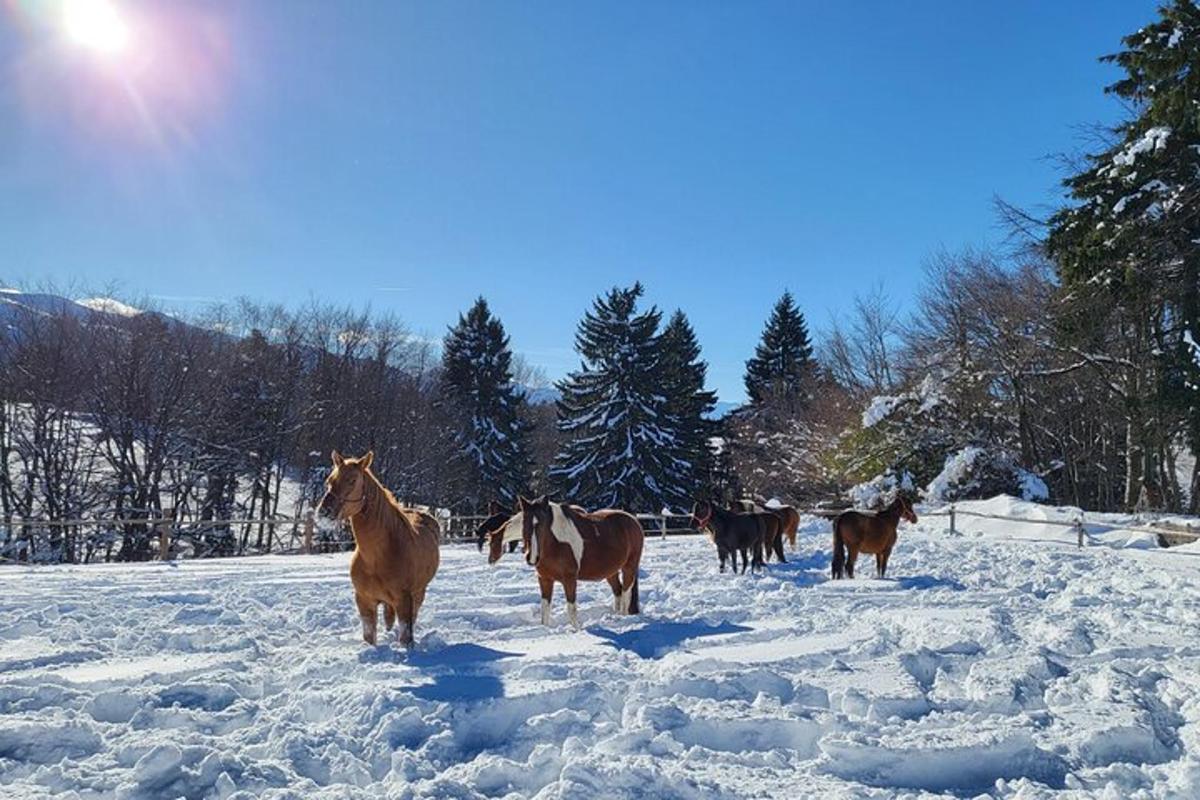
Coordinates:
<point>1005,661</point>
<point>108,305</point>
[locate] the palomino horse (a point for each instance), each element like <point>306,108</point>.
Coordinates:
<point>395,549</point>
<point>734,531</point>
<point>567,544</point>
<point>867,533</point>
<point>788,515</point>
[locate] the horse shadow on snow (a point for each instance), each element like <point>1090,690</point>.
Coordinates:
<point>655,639</point>
<point>462,673</point>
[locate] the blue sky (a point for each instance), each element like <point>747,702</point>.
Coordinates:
<point>414,156</point>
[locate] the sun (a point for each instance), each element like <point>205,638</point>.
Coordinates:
<point>96,25</point>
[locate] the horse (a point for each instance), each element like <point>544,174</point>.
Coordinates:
<point>788,515</point>
<point>868,533</point>
<point>566,544</point>
<point>775,522</point>
<point>495,521</point>
<point>395,549</point>
<point>732,531</point>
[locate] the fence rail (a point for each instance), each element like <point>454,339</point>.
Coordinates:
<point>164,537</point>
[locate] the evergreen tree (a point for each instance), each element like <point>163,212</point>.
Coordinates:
<point>689,403</point>
<point>1127,250</point>
<point>477,379</point>
<point>620,444</point>
<point>783,361</point>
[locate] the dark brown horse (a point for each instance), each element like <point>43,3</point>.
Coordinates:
<point>733,532</point>
<point>395,549</point>
<point>868,533</point>
<point>566,544</point>
<point>775,527</point>
<point>497,516</point>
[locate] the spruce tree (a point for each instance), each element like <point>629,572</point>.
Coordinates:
<point>1126,249</point>
<point>783,361</point>
<point>689,403</point>
<point>620,443</point>
<point>477,380</point>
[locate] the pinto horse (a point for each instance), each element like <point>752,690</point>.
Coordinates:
<point>566,544</point>
<point>733,531</point>
<point>868,533</point>
<point>395,548</point>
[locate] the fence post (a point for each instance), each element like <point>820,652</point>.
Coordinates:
<point>1079,529</point>
<point>953,528</point>
<point>164,536</point>
<point>662,527</point>
<point>308,532</point>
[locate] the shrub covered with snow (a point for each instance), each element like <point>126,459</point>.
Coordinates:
<point>975,472</point>
<point>880,491</point>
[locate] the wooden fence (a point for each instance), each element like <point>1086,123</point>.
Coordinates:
<point>87,541</point>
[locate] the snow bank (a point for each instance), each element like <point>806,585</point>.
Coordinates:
<point>986,664</point>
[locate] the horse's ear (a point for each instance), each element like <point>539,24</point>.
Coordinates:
<point>337,458</point>
<point>366,460</point>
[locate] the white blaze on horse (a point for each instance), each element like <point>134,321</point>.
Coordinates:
<point>566,544</point>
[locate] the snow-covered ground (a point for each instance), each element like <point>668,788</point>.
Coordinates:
<point>986,664</point>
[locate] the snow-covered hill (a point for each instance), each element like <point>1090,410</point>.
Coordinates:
<point>986,663</point>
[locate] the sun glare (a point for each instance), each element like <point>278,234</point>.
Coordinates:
<point>95,24</point>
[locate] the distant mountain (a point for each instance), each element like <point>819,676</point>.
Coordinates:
<point>722,409</point>
<point>539,395</point>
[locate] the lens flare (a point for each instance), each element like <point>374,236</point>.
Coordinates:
<point>95,24</point>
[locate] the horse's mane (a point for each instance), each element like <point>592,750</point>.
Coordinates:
<point>401,520</point>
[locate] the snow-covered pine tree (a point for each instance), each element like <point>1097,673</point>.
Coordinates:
<point>477,380</point>
<point>689,403</point>
<point>1127,248</point>
<point>783,361</point>
<point>620,444</point>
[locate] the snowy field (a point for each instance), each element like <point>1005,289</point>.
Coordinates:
<point>987,664</point>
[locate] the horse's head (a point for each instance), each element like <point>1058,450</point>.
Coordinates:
<point>702,513</point>
<point>905,507</point>
<point>536,518</point>
<point>495,543</point>
<point>346,486</point>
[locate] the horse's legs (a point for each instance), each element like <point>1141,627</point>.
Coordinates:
<point>722,553</point>
<point>879,565</point>
<point>851,557</point>
<point>779,548</point>
<point>569,587</point>
<point>745,559</point>
<point>547,587</point>
<point>614,581</point>
<point>368,612</point>
<point>389,617</point>
<point>884,561</point>
<point>406,613</point>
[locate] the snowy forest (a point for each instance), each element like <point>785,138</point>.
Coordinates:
<point>1061,366</point>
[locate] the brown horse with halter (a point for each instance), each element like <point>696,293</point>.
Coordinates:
<point>395,548</point>
<point>566,544</point>
<point>868,533</point>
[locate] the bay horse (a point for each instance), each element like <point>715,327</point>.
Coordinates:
<point>733,531</point>
<point>868,533</point>
<point>788,515</point>
<point>395,548</point>
<point>566,544</point>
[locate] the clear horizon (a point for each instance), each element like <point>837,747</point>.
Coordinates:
<point>412,157</point>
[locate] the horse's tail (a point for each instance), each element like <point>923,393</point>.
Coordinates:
<point>839,549</point>
<point>793,525</point>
